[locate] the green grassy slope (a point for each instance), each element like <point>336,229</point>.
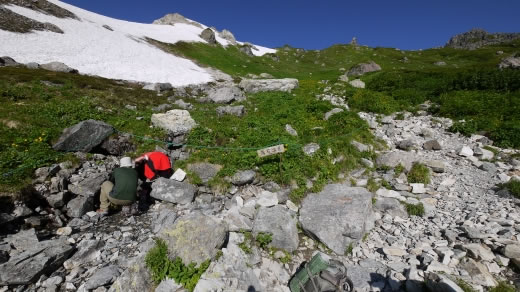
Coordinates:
<point>469,87</point>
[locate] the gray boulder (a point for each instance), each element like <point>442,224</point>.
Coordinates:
<point>209,36</point>
<point>488,166</point>
<point>194,237</point>
<point>405,145</point>
<point>228,35</point>
<point>58,67</point>
<point>102,277</point>
<point>80,205</point>
<point>261,85</point>
<point>391,206</point>
<point>243,177</point>
<point>510,62</point>
<point>338,216</point>
<point>393,159</point>
<point>173,191</point>
<point>432,145</point>
<point>363,68</point>
<point>118,146</point>
<point>168,285</point>
<point>440,283</point>
<point>238,110</point>
<point>225,94</point>
<point>205,171</point>
<point>310,149</point>
<point>32,65</point>
<point>89,186</point>
<point>182,104</point>
<point>246,49</point>
<point>83,136</point>
<point>280,222</point>
<point>88,251</point>
<point>137,276</point>
<point>173,18</point>
<point>290,130</point>
<point>23,240</point>
<point>7,61</point>
<point>177,122</point>
<point>43,257</point>
<point>158,87</point>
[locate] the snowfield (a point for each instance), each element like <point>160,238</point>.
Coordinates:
<point>119,54</point>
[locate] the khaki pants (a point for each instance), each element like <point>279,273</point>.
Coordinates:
<point>105,198</point>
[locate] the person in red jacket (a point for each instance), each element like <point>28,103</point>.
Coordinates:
<point>155,164</point>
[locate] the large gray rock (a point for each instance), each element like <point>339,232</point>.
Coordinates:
<point>194,237</point>
<point>440,283</point>
<point>393,159</point>
<point>208,35</point>
<point>90,185</point>
<point>478,272</point>
<point>23,240</point>
<point>102,277</point>
<point>338,216</point>
<point>228,35</point>
<point>83,136</point>
<point>173,191</point>
<point>58,67</point>
<point>280,222</point>
<point>88,252</point>
<point>158,87</point>
<point>332,112</point>
<point>225,94</point>
<point>260,85</point>
<point>510,62</point>
<point>311,148</point>
<point>206,171</point>
<point>243,177</point>
<point>7,61</point>
<point>137,276</point>
<point>512,251</point>
<point>26,267</point>
<point>168,285</point>
<point>173,18</point>
<point>391,206</point>
<point>80,205</point>
<point>363,68</point>
<point>238,110</point>
<point>178,122</point>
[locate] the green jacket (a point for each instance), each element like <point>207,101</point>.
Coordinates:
<point>125,184</point>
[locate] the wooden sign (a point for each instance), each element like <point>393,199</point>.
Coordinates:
<point>271,150</point>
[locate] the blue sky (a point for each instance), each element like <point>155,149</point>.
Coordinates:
<point>315,24</point>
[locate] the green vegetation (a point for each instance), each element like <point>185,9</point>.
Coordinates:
<point>248,241</point>
<point>263,239</point>
<point>349,249</point>
<point>513,186</point>
<point>415,210</point>
<point>162,267</point>
<point>399,169</point>
<point>465,286</point>
<point>419,173</point>
<point>372,185</point>
<point>503,287</point>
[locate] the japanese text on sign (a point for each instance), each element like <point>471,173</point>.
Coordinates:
<point>271,150</point>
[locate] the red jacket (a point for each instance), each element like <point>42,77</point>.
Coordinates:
<point>160,162</point>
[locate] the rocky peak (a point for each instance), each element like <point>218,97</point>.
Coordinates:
<point>173,18</point>
<point>477,38</point>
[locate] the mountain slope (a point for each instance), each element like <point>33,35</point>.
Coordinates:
<point>99,45</point>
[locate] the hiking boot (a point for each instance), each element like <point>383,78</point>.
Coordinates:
<point>102,212</point>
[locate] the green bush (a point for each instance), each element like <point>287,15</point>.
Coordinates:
<point>162,267</point>
<point>419,173</point>
<point>513,186</point>
<point>415,210</point>
<point>263,239</point>
<point>375,102</point>
<point>503,287</point>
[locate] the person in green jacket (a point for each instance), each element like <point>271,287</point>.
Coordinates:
<point>121,189</point>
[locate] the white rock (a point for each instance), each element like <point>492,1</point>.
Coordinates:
<point>240,201</point>
<point>91,214</point>
<point>382,192</point>
<point>357,83</point>
<point>504,177</point>
<point>394,251</point>
<point>435,266</point>
<point>176,121</point>
<point>465,151</point>
<point>178,175</point>
<point>418,188</point>
<point>64,231</point>
<point>267,199</point>
<point>487,155</point>
<point>291,206</point>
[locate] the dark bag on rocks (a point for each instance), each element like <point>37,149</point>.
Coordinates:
<point>321,274</point>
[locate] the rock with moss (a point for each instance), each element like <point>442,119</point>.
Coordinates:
<point>262,85</point>
<point>395,158</point>
<point>363,68</point>
<point>83,136</point>
<point>205,171</point>
<point>194,237</point>
<point>280,222</point>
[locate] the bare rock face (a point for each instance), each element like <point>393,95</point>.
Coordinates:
<point>227,35</point>
<point>510,62</point>
<point>178,122</point>
<point>83,136</point>
<point>173,18</point>
<point>338,216</point>
<point>58,67</point>
<point>208,35</point>
<point>14,22</point>
<point>7,61</point>
<point>477,38</point>
<point>363,68</point>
